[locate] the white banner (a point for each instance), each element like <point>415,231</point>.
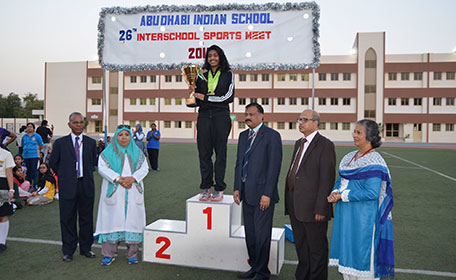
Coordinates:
<point>270,36</point>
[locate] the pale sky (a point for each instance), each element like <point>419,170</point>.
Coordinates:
<point>35,32</point>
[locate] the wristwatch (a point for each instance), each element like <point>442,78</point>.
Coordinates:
<point>117,179</point>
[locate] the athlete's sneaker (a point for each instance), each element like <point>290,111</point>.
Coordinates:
<point>217,195</point>
<point>205,195</point>
<point>107,261</point>
<point>133,260</point>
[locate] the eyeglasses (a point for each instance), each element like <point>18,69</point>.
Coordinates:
<point>123,126</point>
<point>304,120</point>
<point>43,167</point>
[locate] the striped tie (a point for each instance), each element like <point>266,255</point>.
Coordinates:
<point>246,156</point>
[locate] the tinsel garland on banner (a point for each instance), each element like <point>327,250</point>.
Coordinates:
<point>201,8</point>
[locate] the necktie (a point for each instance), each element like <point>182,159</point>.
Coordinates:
<point>76,150</point>
<point>246,156</point>
<point>291,180</point>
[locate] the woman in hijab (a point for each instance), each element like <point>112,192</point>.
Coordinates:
<point>121,212</point>
<point>138,136</point>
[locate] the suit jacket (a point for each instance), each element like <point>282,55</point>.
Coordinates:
<point>314,180</point>
<point>63,162</point>
<point>263,169</point>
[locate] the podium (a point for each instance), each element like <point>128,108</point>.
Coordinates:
<point>212,237</point>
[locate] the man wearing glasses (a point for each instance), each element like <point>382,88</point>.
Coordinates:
<point>309,181</point>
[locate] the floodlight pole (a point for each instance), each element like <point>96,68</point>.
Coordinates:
<point>313,88</point>
<point>105,110</point>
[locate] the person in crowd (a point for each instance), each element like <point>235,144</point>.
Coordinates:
<point>153,146</point>
<point>258,162</point>
<point>32,144</point>
<point>19,139</point>
<point>41,160</point>
<point>45,188</point>
<point>309,181</point>
<point>214,124</point>
<point>73,160</point>
<point>19,161</point>
<point>138,136</point>
<point>362,238</point>
<point>24,188</point>
<point>6,195</point>
<point>121,212</point>
<point>46,134</point>
<point>3,134</point>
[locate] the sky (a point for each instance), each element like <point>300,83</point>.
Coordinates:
<point>35,32</point>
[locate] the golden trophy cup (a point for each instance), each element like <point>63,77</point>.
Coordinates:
<point>191,73</point>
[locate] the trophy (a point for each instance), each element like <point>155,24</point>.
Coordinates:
<point>191,74</point>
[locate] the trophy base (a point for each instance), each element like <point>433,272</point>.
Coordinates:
<point>191,102</point>
<point>192,105</point>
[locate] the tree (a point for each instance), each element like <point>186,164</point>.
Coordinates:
<point>31,102</point>
<point>10,106</point>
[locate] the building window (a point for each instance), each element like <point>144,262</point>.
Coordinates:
<point>437,101</point>
<point>293,77</point>
<point>392,101</point>
<point>322,126</point>
<point>369,113</point>
<point>345,126</point>
<point>97,80</point>
<point>113,90</point>
<point>265,77</point>
<point>143,101</point>
<point>178,101</point>
<point>417,127</point>
<point>436,127</point>
<point>347,76</point>
<point>241,101</point>
<point>449,101</point>
<point>292,125</point>
<point>418,76</point>
<point>417,101</point>
<point>167,101</point>
<point>392,76</point>
<point>281,77</point>
<point>369,89</point>
<point>450,75</point>
<point>304,101</point>
<point>392,130</point>
<point>321,101</point>
<point>280,125</point>
<point>405,76</point>
<point>346,101</point>
<point>178,78</point>
<point>334,101</point>
<point>293,100</point>
<point>322,76</point>
<point>254,77</point>
<point>167,124</point>
<point>305,77</point>
<point>371,63</point>
<point>449,127</point>
<point>132,79</point>
<point>113,112</point>
<point>132,123</point>
<point>132,101</point>
<point>281,101</point>
<point>177,124</point>
<point>98,126</point>
<point>97,101</point>
<point>334,76</point>
<point>242,77</point>
<point>404,101</point>
<point>437,75</point>
<point>153,79</point>
<point>265,101</point>
<point>168,78</point>
<point>143,79</point>
<point>253,100</point>
<point>188,124</point>
<point>152,101</point>
<point>333,126</point>
<point>241,125</point>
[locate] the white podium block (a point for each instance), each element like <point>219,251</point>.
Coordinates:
<point>212,237</point>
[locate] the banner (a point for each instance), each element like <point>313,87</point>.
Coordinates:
<point>269,36</point>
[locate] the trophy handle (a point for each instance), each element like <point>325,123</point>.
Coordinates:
<point>191,100</point>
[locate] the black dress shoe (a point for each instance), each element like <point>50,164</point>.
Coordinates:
<point>67,258</point>
<point>246,275</point>
<point>88,254</point>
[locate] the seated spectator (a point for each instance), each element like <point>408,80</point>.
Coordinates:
<point>19,161</point>
<point>19,180</point>
<point>46,187</point>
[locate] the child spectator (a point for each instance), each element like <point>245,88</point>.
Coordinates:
<point>19,180</point>
<point>46,187</point>
<point>19,161</point>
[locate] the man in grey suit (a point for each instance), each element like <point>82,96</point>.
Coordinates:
<point>309,182</point>
<point>259,158</point>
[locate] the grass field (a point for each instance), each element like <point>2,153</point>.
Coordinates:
<point>423,216</point>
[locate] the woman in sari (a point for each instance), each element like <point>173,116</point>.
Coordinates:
<point>362,238</point>
<point>121,212</point>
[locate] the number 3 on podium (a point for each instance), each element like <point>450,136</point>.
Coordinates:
<point>208,212</point>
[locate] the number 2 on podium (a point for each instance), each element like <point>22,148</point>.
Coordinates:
<point>208,211</point>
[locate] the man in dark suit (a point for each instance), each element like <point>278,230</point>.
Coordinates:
<point>259,158</point>
<point>309,182</point>
<point>73,158</point>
